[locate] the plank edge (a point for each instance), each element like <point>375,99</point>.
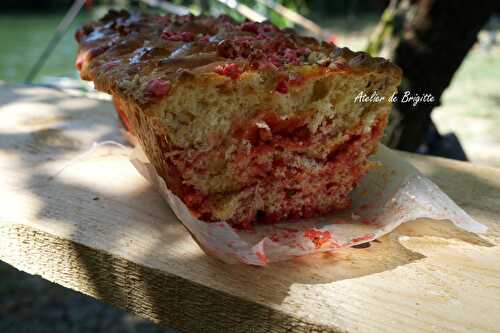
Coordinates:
<point>164,298</point>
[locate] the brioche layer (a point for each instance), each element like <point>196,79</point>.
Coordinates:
<point>281,184</point>
<point>201,113</point>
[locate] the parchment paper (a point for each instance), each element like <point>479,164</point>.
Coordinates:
<point>391,194</point>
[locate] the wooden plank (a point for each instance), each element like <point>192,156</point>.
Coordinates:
<point>97,227</point>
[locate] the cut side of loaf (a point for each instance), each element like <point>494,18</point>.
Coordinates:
<point>245,122</point>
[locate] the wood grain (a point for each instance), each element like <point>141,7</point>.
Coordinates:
<point>94,225</point>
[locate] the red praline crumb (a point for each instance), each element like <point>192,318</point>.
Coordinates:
<point>159,88</point>
<point>263,258</point>
<point>281,87</point>
<point>291,56</point>
<point>317,237</point>
<point>230,70</point>
<point>184,36</point>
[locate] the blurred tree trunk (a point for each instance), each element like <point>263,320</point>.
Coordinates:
<point>428,39</point>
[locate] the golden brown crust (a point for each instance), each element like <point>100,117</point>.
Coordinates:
<point>141,58</point>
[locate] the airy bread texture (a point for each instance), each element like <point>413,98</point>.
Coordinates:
<point>244,122</point>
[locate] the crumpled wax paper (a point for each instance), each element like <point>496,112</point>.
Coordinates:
<point>390,194</point>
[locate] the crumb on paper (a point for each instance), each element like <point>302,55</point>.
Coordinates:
<point>318,237</point>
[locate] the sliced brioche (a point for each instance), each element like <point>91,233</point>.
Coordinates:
<point>243,121</point>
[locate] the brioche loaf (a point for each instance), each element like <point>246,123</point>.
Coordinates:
<point>245,122</point>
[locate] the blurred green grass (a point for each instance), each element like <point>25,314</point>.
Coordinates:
<point>24,36</point>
